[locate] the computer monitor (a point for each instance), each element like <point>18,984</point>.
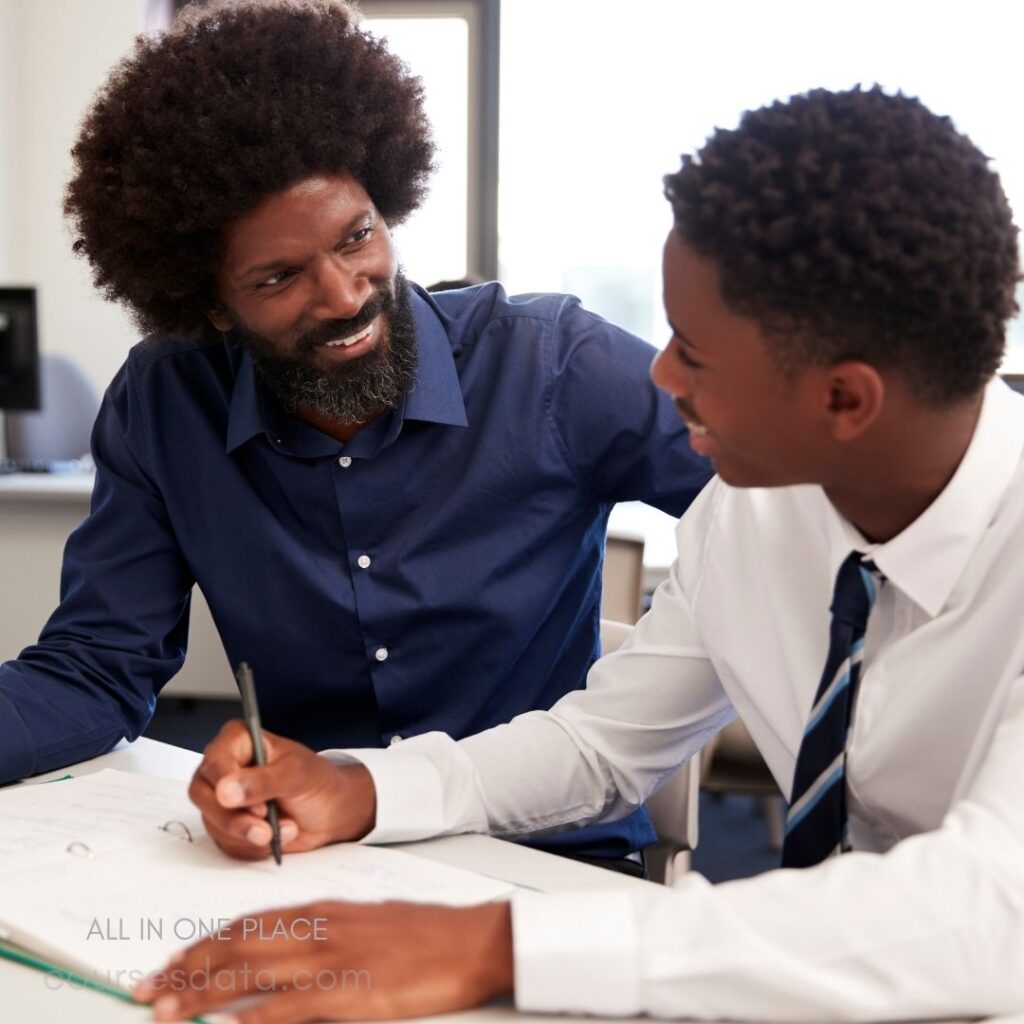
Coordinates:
<point>19,349</point>
<point>1015,380</point>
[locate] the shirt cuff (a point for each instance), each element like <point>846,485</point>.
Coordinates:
<point>576,952</point>
<point>410,803</point>
<point>17,751</point>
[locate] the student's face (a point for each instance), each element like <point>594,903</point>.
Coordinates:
<point>759,428</point>
<point>311,265</point>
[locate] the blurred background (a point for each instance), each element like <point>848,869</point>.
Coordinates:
<point>556,120</point>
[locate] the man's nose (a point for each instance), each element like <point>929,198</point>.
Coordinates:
<point>340,293</point>
<point>668,375</point>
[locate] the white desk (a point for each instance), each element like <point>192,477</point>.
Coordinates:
<point>25,996</point>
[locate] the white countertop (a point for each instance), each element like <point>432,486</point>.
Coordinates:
<point>70,487</point>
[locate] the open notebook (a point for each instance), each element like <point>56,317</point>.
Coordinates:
<point>108,875</point>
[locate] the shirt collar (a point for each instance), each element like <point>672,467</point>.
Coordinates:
<point>927,558</point>
<point>436,396</point>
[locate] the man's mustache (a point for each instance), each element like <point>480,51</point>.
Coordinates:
<point>331,330</point>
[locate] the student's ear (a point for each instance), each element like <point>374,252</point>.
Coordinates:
<point>856,396</point>
<point>220,319</point>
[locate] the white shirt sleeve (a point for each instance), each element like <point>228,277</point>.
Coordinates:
<point>595,756</point>
<point>932,928</point>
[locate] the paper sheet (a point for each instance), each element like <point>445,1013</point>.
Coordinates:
<point>108,808</point>
<point>144,893</point>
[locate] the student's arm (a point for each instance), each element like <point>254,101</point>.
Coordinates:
<point>120,631</point>
<point>594,756</point>
<point>933,928</point>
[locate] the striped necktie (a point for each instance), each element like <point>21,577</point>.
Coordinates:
<point>816,825</point>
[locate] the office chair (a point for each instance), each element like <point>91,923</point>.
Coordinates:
<point>673,808</point>
<point>733,764</point>
<point>60,431</point>
<point>622,582</point>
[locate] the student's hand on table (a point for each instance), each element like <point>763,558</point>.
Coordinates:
<point>318,802</point>
<point>342,961</point>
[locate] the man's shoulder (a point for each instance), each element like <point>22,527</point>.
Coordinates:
<point>157,348</point>
<point>483,303</point>
<point>468,312</point>
<point>734,536</point>
<point>762,515</point>
<point>190,357</point>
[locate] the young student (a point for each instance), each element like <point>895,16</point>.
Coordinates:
<point>837,286</point>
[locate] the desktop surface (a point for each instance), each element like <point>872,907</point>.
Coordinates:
<point>10,466</point>
<point>32,995</point>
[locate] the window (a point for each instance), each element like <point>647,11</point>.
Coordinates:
<point>452,45</point>
<point>600,98</point>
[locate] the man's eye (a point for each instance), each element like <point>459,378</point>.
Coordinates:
<point>274,279</point>
<point>686,359</point>
<point>361,235</point>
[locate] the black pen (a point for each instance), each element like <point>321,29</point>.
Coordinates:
<point>251,710</point>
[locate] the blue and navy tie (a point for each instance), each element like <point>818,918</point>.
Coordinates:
<point>816,825</point>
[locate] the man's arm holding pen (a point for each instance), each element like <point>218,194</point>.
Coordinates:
<point>319,802</point>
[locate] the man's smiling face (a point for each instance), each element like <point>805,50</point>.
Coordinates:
<point>310,284</point>
<point>759,427</point>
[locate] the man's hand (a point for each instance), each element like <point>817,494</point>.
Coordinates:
<point>342,961</point>
<point>319,802</point>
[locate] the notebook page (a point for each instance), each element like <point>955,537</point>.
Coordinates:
<point>105,809</point>
<point>121,915</point>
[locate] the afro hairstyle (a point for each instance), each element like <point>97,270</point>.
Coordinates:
<point>239,100</point>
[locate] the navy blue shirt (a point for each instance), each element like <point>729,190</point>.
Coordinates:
<point>442,570</point>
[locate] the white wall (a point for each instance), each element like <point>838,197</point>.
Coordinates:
<point>54,54</point>
<point>7,142</point>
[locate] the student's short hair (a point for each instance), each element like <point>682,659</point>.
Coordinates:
<point>858,225</point>
<point>239,100</point>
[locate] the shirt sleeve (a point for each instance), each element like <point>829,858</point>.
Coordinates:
<point>932,928</point>
<point>595,756</point>
<point>626,449</point>
<point>120,630</point>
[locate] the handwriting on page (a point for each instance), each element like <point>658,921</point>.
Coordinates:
<point>100,810</point>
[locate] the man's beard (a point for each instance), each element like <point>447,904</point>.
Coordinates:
<point>351,392</point>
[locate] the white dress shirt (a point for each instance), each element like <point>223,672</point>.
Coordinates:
<point>925,918</point>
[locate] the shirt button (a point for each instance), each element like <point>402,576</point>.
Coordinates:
<point>345,461</point>
<point>395,740</point>
<point>381,654</point>
<point>363,561</point>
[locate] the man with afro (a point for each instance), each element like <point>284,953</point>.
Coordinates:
<point>837,284</point>
<point>395,504</point>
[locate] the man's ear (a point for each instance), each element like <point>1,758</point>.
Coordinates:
<point>220,319</point>
<point>856,396</point>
